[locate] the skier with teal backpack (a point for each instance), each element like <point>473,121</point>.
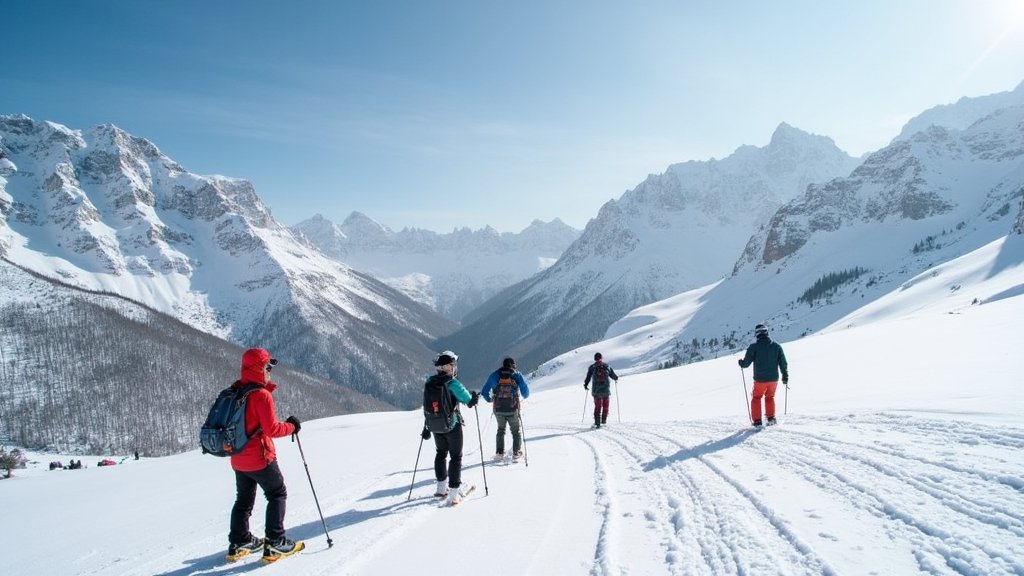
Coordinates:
<point>442,393</point>
<point>508,387</point>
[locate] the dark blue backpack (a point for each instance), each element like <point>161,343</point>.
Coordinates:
<point>223,433</point>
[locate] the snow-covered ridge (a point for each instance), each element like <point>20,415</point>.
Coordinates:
<point>453,272</point>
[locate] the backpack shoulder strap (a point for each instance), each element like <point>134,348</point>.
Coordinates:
<point>243,397</point>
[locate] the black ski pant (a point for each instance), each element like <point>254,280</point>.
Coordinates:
<point>449,444</point>
<point>271,481</point>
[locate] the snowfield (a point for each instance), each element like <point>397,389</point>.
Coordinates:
<point>901,451</point>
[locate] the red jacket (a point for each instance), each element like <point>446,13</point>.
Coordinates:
<point>259,413</point>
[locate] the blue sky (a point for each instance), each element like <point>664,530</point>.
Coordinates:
<point>444,114</point>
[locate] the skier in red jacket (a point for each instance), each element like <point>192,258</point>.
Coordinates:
<point>256,465</point>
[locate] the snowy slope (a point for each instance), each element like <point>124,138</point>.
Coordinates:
<point>900,452</point>
<point>675,231</point>
<point>905,211</point>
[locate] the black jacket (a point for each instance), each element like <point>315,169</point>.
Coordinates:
<point>600,389</point>
<point>768,359</point>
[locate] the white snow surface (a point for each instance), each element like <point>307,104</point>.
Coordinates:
<point>900,451</point>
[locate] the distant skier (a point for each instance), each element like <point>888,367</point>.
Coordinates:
<point>508,385</point>
<point>768,360</point>
<point>602,375</point>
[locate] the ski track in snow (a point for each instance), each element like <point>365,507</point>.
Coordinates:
<point>704,518</point>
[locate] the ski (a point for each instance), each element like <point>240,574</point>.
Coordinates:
<point>472,487</point>
<point>232,558</point>
<point>299,547</point>
<point>507,460</point>
<point>245,550</point>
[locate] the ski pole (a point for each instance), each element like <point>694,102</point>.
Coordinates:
<point>750,417</point>
<point>522,432</point>
<point>618,405</point>
<point>785,405</point>
<point>417,465</point>
<point>583,417</point>
<point>480,438</point>
<point>329,541</point>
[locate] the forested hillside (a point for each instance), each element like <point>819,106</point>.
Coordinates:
<point>95,373</point>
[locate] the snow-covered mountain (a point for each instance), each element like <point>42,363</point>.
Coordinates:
<point>898,219</point>
<point>675,231</point>
<point>106,211</point>
<point>452,273</point>
<point>961,114</point>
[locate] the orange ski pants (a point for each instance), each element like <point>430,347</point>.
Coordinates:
<point>764,390</point>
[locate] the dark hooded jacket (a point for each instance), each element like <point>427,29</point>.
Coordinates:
<point>768,359</point>
<point>600,389</point>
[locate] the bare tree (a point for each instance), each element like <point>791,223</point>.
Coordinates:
<point>9,461</point>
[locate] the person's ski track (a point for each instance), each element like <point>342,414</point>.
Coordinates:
<point>712,511</point>
<point>363,532</point>
<point>965,490</point>
<point>953,528</point>
<point>604,491</point>
<point>697,531</point>
<point>951,522</point>
<point>958,512</point>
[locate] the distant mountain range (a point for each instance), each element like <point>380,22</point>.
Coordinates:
<point>796,233</point>
<point>452,273</point>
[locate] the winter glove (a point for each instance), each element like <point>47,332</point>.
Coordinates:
<point>586,386</point>
<point>294,422</point>
<point>740,362</point>
<point>785,379</point>
<point>474,398</point>
<point>426,434</point>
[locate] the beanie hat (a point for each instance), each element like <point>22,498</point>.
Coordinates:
<point>509,362</point>
<point>446,357</point>
<point>597,356</point>
<point>760,330</point>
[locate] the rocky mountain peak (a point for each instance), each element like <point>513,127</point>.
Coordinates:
<point>104,210</point>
